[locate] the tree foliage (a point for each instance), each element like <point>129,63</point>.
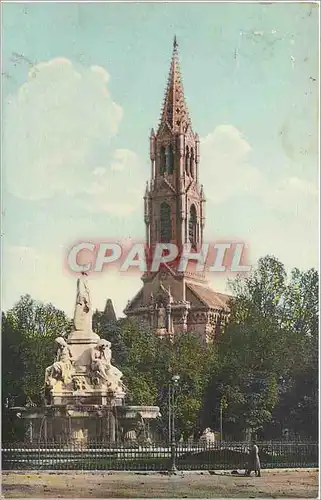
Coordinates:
<point>268,353</point>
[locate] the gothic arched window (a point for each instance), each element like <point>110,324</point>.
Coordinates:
<point>187,160</point>
<point>191,167</point>
<point>165,223</point>
<point>162,166</point>
<point>192,227</point>
<point>169,159</point>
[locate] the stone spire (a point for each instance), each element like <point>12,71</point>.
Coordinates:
<point>175,113</point>
<point>109,311</point>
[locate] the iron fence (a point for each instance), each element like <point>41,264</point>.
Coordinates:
<point>154,457</point>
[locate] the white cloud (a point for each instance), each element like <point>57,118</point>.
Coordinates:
<point>57,135</point>
<point>226,172</point>
<point>118,189</point>
<point>285,219</point>
<point>225,166</point>
<point>294,195</point>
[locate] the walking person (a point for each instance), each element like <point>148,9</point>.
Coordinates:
<point>254,461</point>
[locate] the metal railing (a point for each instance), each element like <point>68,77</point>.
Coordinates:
<point>64,455</point>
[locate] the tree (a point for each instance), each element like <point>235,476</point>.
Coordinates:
<point>111,330</point>
<point>29,330</point>
<point>28,333</point>
<point>246,377</point>
<point>298,408</point>
<point>188,358</point>
<point>266,349</point>
<point>141,346</point>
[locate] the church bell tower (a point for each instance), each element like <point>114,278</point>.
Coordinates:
<point>173,302</point>
<point>174,200</point>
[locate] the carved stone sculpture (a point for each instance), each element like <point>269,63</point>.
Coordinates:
<point>161,316</point>
<point>79,383</point>
<point>130,436</point>
<point>166,292</point>
<point>208,437</point>
<point>62,368</point>
<point>83,310</point>
<point>102,369</point>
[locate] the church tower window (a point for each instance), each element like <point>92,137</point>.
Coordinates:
<point>162,167</point>
<point>192,229</point>
<point>165,223</point>
<point>169,159</point>
<point>187,160</point>
<point>191,168</point>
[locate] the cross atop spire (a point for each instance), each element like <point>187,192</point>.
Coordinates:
<point>175,112</point>
<point>175,45</point>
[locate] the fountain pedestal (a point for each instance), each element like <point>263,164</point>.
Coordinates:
<point>85,395</point>
<point>81,426</point>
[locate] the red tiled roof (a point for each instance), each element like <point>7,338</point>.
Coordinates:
<point>211,298</point>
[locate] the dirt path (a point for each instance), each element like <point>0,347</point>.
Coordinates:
<point>301,483</point>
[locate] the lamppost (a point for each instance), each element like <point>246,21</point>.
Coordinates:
<point>171,419</point>
<point>223,406</point>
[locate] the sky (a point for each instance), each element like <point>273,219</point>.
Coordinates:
<point>83,85</point>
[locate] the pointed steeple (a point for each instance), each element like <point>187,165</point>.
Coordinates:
<point>175,112</point>
<point>109,311</point>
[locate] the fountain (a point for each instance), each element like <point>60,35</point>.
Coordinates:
<point>84,395</point>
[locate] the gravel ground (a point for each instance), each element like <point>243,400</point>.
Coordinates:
<point>300,483</point>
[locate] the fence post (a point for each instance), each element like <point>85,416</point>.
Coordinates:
<point>173,468</point>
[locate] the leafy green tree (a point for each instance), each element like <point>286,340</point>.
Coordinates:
<point>112,331</point>
<point>298,407</point>
<point>265,348</point>
<point>188,358</point>
<point>139,351</point>
<point>29,331</point>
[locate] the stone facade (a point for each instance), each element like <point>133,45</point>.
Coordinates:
<point>175,302</point>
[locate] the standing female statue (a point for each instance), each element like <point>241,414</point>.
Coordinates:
<point>83,310</point>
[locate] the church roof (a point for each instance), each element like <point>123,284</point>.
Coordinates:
<point>175,113</point>
<point>131,303</point>
<point>209,297</point>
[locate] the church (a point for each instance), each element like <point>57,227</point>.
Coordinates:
<point>172,302</point>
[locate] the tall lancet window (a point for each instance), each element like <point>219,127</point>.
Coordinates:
<point>162,166</point>
<point>187,160</point>
<point>165,223</point>
<point>169,159</point>
<point>191,164</point>
<point>192,227</point>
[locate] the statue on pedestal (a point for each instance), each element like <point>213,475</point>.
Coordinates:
<point>62,368</point>
<point>166,293</point>
<point>102,369</point>
<point>207,437</point>
<point>83,310</point>
<point>161,316</point>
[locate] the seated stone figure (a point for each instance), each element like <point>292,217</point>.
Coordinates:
<point>62,368</point>
<point>102,369</point>
<point>207,437</point>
